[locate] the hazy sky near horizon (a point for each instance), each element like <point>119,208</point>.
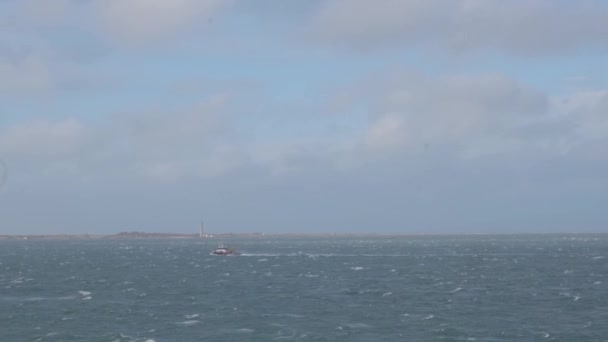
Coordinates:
<point>391,116</point>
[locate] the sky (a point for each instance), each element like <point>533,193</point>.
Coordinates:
<point>311,116</point>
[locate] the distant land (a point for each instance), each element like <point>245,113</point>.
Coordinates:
<point>142,235</point>
<point>122,235</point>
<point>138,235</point>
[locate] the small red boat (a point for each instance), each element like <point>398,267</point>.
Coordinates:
<point>221,250</point>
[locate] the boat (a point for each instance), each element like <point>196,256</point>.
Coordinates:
<point>221,250</point>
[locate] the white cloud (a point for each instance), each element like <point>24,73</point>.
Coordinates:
<point>465,114</point>
<point>429,140</point>
<point>388,132</point>
<point>24,77</point>
<point>42,13</point>
<point>31,24</point>
<point>159,145</point>
<point>141,22</point>
<point>522,27</point>
<point>41,141</point>
<point>586,113</point>
<point>426,138</point>
<point>411,116</point>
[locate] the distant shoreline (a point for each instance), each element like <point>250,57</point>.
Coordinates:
<point>123,235</point>
<point>143,235</point>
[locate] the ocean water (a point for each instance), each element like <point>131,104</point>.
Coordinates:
<point>418,288</point>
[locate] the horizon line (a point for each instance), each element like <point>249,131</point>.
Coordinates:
<point>261,234</point>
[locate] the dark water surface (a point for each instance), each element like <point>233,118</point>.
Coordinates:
<point>423,288</point>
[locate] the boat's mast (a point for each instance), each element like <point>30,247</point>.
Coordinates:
<point>200,234</point>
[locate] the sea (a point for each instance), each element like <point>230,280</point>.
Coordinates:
<point>330,288</point>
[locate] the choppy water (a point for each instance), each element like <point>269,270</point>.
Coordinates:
<point>452,288</point>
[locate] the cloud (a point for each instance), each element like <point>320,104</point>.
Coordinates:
<point>41,44</point>
<point>584,113</point>
<point>160,132</point>
<point>158,145</point>
<point>467,114</point>
<point>142,22</point>
<point>410,116</point>
<point>438,154</point>
<point>27,76</point>
<point>90,29</point>
<point>387,132</point>
<point>42,13</point>
<point>127,133</point>
<point>520,27</point>
<point>41,141</point>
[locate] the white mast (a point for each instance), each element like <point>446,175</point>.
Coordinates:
<point>200,234</point>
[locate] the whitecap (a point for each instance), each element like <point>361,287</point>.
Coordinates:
<point>428,317</point>
<point>357,268</point>
<point>456,290</point>
<point>598,257</point>
<point>385,294</point>
<point>369,291</point>
<point>191,316</point>
<point>244,331</point>
<point>260,255</point>
<point>84,293</point>
<point>291,315</point>
<point>189,322</point>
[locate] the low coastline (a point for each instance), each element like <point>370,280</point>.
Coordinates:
<point>144,235</point>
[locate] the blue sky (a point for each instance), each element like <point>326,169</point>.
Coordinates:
<point>390,116</point>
